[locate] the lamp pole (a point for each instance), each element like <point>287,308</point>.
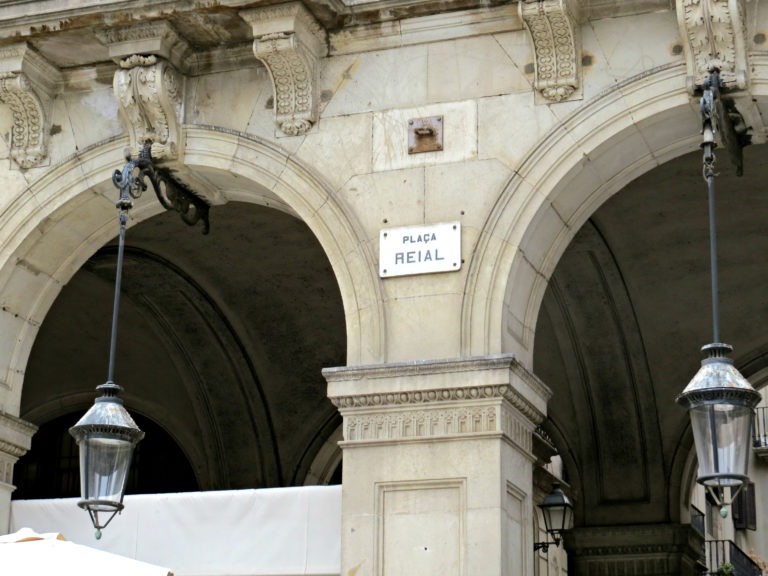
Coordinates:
<point>106,434</point>
<point>719,400</point>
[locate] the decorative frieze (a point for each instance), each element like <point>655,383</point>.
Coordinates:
<point>445,420</point>
<point>420,423</point>
<point>461,394</point>
<point>290,43</point>
<point>554,31</point>
<point>28,85</point>
<point>714,36</point>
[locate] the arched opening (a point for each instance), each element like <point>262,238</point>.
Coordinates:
<point>221,341</point>
<point>625,313</point>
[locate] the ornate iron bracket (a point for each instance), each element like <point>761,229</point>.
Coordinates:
<point>172,194</point>
<point>719,114</point>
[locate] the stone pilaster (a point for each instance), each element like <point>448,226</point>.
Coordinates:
<point>644,550</point>
<point>15,440</point>
<point>438,466</point>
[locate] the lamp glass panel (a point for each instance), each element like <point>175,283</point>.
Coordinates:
<point>104,464</point>
<point>722,434</point>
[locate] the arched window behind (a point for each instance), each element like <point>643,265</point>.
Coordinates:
<point>51,468</point>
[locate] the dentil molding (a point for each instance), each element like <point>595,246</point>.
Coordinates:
<point>554,30</point>
<point>714,36</point>
<point>290,43</point>
<point>28,85</point>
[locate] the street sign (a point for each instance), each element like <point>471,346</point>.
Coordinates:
<point>420,249</point>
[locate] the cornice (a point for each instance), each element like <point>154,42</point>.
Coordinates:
<point>15,435</point>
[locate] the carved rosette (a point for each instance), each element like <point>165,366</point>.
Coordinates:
<point>28,85</point>
<point>148,91</point>
<point>714,36</point>
<point>290,42</point>
<point>555,35</point>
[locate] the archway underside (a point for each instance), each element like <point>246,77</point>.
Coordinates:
<point>221,341</point>
<point>623,318</point>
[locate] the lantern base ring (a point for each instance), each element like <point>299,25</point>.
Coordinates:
<point>95,506</point>
<point>716,483</point>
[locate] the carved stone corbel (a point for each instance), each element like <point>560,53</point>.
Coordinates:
<point>554,29</point>
<point>28,85</point>
<point>714,36</point>
<point>290,43</point>
<point>148,88</point>
<point>149,99</point>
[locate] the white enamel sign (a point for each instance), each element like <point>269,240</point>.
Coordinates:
<point>420,249</point>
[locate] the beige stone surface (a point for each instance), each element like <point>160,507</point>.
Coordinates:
<point>522,174</point>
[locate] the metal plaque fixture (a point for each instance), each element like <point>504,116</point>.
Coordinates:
<point>425,134</point>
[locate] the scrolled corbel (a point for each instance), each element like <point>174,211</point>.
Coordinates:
<point>555,32</point>
<point>290,43</point>
<point>28,85</point>
<point>148,87</point>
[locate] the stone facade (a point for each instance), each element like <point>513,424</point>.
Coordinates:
<point>548,108</point>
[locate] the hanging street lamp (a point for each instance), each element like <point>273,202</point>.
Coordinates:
<point>719,400</point>
<point>107,435</point>
<point>558,513</point>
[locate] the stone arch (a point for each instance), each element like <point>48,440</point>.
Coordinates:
<point>62,218</point>
<point>592,154</point>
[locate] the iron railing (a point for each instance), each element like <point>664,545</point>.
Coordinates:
<point>760,429</point>
<point>721,552</point>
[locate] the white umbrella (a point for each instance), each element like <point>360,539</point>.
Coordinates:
<point>26,553</point>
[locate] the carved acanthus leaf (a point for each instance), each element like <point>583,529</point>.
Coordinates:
<point>148,91</point>
<point>554,30</point>
<point>290,43</point>
<point>28,84</point>
<point>713,35</point>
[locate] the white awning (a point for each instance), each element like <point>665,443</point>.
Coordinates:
<point>270,532</point>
